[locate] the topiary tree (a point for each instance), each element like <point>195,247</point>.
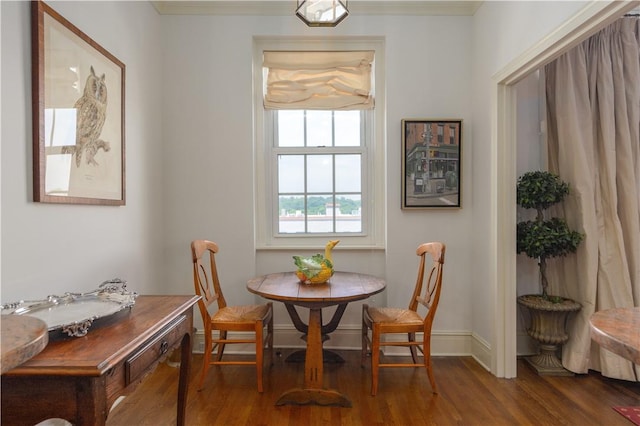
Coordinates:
<point>544,238</point>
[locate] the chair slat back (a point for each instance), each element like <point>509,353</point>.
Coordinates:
<point>205,276</point>
<point>427,292</point>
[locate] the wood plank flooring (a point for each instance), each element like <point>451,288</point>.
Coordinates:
<point>468,395</point>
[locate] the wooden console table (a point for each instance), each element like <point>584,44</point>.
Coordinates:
<point>79,378</point>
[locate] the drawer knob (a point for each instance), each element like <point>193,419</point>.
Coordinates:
<point>164,347</point>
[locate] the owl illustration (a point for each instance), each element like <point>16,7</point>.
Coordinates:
<point>91,110</point>
<point>91,149</point>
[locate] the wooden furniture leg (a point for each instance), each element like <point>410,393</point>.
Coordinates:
<point>314,391</point>
<point>183,384</point>
<point>328,356</point>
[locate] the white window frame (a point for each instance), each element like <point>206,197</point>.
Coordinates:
<point>272,152</point>
<point>373,228</point>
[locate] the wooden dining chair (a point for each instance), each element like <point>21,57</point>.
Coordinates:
<point>384,321</point>
<point>245,318</point>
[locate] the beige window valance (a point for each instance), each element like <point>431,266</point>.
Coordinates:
<point>338,80</point>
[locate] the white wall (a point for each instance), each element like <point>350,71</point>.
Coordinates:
<point>0,161</point>
<point>50,249</point>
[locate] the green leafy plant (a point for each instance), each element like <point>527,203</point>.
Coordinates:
<point>544,238</point>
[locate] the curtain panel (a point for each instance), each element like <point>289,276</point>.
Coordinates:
<point>593,118</point>
<point>326,80</point>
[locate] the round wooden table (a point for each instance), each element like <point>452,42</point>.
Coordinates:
<point>23,337</point>
<point>342,288</point>
<point>618,330</point>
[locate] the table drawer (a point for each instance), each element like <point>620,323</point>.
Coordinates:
<point>154,349</point>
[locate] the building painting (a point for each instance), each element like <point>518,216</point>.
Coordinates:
<point>432,156</point>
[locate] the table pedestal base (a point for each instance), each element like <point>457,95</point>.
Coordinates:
<point>313,390</point>
<point>325,329</point>
<point>344,287</point>
<point>300,396</point>
<point>328,356</point>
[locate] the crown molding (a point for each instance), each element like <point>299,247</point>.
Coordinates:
<point>287,8</point>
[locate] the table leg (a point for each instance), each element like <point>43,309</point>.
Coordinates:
<point>183,384</point>
<point>313,391</point>
<point>328,356</point>
<point>91,397</point>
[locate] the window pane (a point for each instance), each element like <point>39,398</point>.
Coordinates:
<point>291,215</point>
<point>319,128</point>
<point>319,173</point>
<point>320,208</point>
<point>349,213</point>
<point>319,193</point>
<point>290,128</point>
<point>347,125</point>
<point>290,173</point>
<point>348,174</point>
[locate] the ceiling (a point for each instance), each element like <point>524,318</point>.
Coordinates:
<point>285,8</point>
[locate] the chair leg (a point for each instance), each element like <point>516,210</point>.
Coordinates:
<point>206,360</point>
<point>259,354</point>
<point>428,365</point>
<point>375,360</point>
<point>412,348</point>
<point>270,340</point>
<point>365,332</point>
<point>223,336</point>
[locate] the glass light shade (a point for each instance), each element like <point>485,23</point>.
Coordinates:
<point>322,13</point>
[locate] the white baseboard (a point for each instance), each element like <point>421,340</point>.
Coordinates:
<point>481,351</point>
<point>443,343</point>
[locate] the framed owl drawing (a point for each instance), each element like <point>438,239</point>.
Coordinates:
<point>78,115</point>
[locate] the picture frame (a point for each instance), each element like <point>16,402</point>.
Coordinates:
<point>78,91</point>
<point>431,163</point>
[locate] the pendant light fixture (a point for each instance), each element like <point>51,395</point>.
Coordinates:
<point>322,13</point>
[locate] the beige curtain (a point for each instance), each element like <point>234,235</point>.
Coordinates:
<point>339,80</point>
<point>593,117</point>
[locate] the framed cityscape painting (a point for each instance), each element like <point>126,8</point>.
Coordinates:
<point>78,115</point>
<point>431,163</point>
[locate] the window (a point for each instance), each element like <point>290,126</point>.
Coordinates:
<point>319,170</point>
<point>320,157</point>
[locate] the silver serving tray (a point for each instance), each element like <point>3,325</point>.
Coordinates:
<point>74,313</point>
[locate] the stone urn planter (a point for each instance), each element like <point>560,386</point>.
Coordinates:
<point>549,328</point>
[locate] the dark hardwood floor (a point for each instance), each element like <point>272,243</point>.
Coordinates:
<point>468,395</point>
